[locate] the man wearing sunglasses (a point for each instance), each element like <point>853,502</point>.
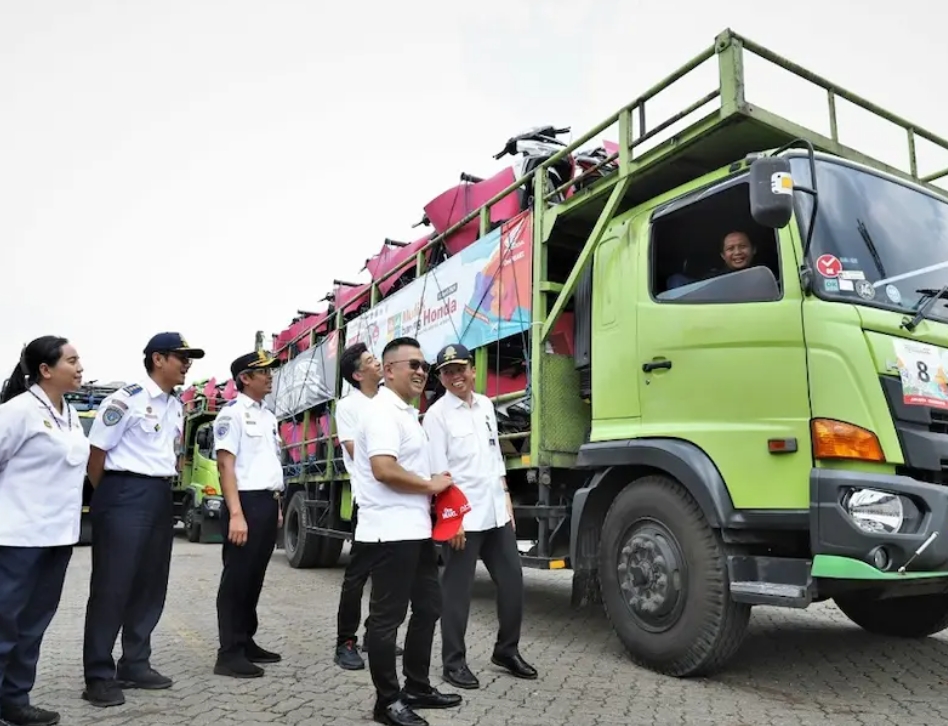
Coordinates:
<point>394,530</point>
<point>132,465</point>
<point>249,459</point>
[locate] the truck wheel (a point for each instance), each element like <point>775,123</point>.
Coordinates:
<point>664,581</point>
<point>192,525</point>
<point>330,550</point>
<point>301,547</point>
<point>917,616</point>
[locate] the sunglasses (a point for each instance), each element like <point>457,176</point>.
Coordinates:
<point>415,364</point>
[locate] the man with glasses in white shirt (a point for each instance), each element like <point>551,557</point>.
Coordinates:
<point>462,430</point>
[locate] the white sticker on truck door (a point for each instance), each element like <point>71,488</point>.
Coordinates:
<point>922,368</point>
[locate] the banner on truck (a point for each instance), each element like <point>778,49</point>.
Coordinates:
<point>480,295</point>
<point>306,381</point>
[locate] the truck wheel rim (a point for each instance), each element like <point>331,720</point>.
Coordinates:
<point>652,576</point>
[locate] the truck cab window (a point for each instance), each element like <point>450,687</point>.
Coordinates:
<point>706,239</point>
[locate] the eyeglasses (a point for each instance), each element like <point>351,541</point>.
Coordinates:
<point>415,364</point>
<point>267,372</point>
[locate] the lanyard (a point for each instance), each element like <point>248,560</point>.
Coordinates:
<point>53,413</point>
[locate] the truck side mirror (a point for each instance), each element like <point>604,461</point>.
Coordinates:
<point>201,438</point>
<point>771,191</point>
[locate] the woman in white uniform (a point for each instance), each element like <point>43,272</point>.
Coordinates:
<point>43,454</point>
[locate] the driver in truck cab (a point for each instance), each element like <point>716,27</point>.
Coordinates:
<point>737,251</point>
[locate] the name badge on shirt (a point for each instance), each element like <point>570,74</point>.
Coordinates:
<point>491,438</point>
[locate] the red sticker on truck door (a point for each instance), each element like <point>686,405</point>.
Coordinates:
<point>829,265</point>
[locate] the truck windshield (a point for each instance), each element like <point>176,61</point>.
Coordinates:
<point>876,241</point>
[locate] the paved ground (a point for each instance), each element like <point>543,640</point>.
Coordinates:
<point>795,668</point>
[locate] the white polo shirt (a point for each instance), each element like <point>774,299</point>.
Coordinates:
<point>463,440</point>
<point>349,412</point>
<point>249,431</point>
<point>43,456</point>
<point>390,427</point>
<point>138,427</point>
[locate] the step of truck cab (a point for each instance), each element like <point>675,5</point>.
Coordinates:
<point>779,581</point>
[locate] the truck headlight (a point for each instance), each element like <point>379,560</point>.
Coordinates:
<point>875,511</point>
<point>212,504</point>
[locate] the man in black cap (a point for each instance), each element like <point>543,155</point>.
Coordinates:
<point>463,439</point>
<point>132,464</point>
<point>248,446</point>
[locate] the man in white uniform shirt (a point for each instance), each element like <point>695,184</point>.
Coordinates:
<point>362,371</point>
<point>248,448</point>
<point>132,465</point>
<point>394,527</point>
<point>462,430</point>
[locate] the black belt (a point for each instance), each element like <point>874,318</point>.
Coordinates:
<point>136,475</point>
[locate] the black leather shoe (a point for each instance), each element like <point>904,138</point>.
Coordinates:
<point>515,665</point>
<point>28,715</point>
<point>256,654</point>
<point>104,693</point>
<point>148,679</point>
<point>237,668</point>
<point>430,698</point>
<point>397,714</point>
<point>461,677</point>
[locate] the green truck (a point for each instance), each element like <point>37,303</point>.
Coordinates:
<point>197,489</point>
<point>722,380</point>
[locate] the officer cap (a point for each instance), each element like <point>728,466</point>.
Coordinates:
<point>172,343</point>
<point>452,354</point>
<point>258,361</point>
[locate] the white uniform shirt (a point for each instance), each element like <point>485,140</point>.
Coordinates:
<point>349,412</point>
<point>390,427</point>
<point>138,427</point>
<point>249,431</point>
<point>463,440</point>
<point>43,458</point>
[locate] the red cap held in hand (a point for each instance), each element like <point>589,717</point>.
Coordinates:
<point>450,507</point>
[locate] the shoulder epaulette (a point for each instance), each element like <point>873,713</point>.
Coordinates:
<point>230,403</point>
<point>132,389</point>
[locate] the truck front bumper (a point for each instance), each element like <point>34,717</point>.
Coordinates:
<point>834,530</point>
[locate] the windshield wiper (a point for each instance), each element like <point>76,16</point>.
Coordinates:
<point>926,301</point>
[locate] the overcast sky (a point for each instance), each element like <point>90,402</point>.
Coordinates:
<point>210,167</point>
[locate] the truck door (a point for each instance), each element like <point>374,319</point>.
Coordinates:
<point>614,323</point>
<point>729,376</point>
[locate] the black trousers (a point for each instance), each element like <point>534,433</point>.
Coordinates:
<point>353,585</point>
<point>350,598</point>
<point>132,536</point>
<point>497,547</point>
<point>31,583</point>
<point>402,573</point>
<point>245,568</point>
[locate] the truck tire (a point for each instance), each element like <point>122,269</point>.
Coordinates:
<point>302,548</point>
<point>330,550</point>
<point>917,616</point>
<point>192,524</point>
<point>664,581</point>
